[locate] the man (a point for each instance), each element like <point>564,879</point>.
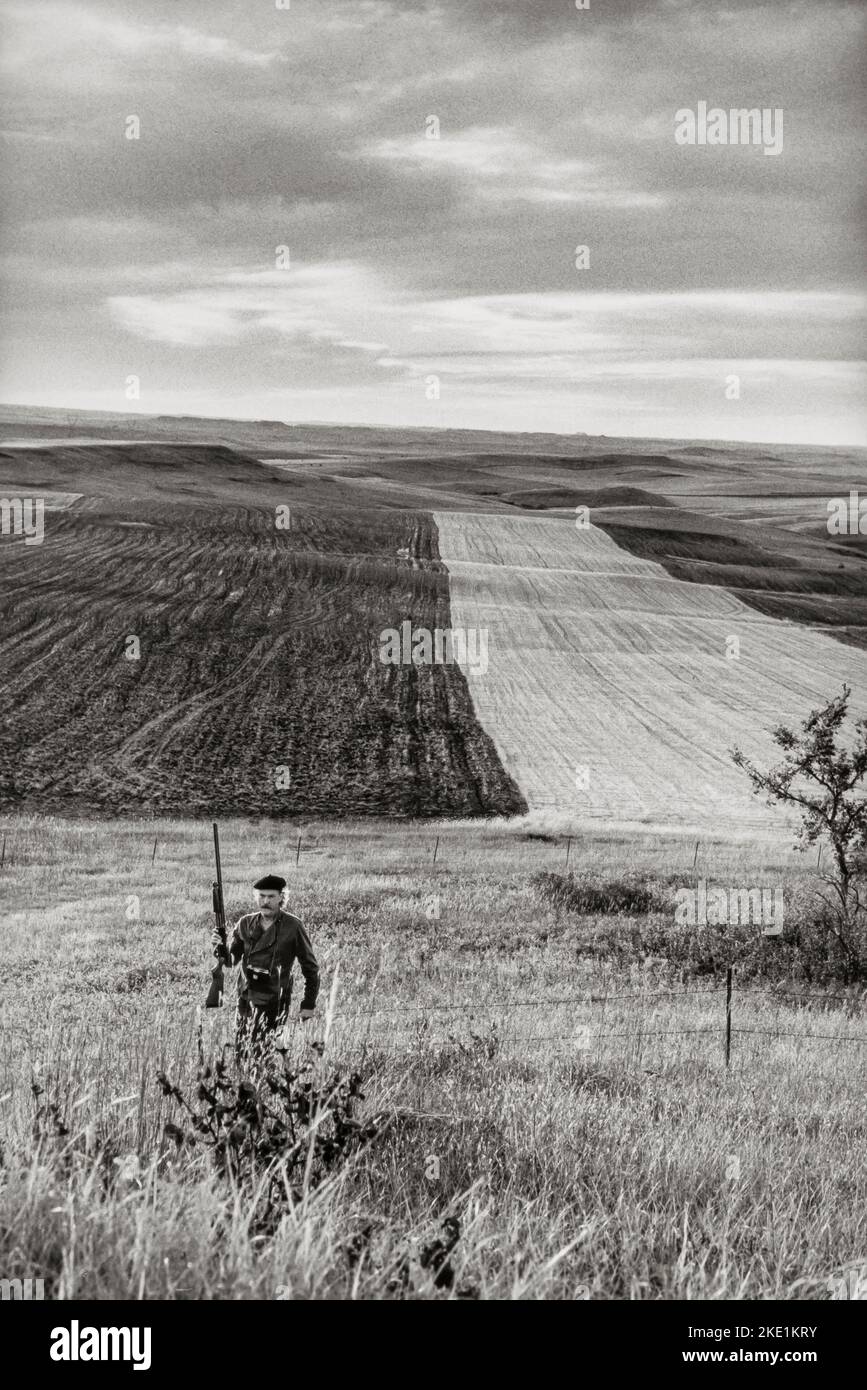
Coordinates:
<point>266,943</point>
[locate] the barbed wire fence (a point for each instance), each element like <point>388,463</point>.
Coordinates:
<point>726,1030</point>
<point>16,854</point>
<point>556,846</point>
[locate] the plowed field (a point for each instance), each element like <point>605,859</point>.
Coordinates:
<point>255,686</point>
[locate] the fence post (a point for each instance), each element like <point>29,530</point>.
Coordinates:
<point>436,847</point>
<point>298,851</point>
<point>729,974</point>
<point>154,855</point>
<point>568,851</point>
<point>695,856</point>
<point>3,854</point>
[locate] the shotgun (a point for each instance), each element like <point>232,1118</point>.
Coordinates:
<point>215,993</point>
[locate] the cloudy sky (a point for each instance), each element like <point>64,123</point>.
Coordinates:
<point>417,264</point>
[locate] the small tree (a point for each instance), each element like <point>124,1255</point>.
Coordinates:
<point>825,780</point>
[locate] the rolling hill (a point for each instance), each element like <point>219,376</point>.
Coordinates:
<point>174,647</point>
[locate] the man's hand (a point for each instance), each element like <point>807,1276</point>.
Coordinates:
<point>306,1015</point>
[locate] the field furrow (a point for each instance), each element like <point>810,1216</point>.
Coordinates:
<point>202,659</point>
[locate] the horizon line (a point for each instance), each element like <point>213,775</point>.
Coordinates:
<point>420,429</point>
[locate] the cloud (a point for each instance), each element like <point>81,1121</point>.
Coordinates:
<point>307,127</point>
<point>180,319</point>
<point>500,164</point>
<point>351,307</point>
<point>324,304</point>
<point>67,28</point>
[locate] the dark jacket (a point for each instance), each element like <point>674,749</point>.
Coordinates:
<point>267,955</point>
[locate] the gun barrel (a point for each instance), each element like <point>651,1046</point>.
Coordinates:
<point>215,993</point>
<point>217,857</point>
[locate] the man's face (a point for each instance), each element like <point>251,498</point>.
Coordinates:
<point>267,900</point>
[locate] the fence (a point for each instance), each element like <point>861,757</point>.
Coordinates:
<point>726,1031</point>
<point>559,845</point>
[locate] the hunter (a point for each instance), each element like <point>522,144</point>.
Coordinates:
<point>266,943</point>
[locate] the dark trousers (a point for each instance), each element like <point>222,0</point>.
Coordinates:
<point>255,1023</point>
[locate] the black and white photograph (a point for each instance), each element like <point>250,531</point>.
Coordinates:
<point>433,670</point>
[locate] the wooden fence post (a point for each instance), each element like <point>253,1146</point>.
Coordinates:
<point>436,847</point>
<point>568,850</point>
<point>729,974</point>
<point>154,855</point>
<point>298,851</point>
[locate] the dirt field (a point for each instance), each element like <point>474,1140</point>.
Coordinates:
<point>255,684</point>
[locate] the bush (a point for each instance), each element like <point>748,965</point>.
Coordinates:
<point>806,952</point>
<point>624,896</point>
<point>826,782</point>
<point>296,1124</point>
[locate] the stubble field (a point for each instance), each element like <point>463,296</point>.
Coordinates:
<point>614,691</point>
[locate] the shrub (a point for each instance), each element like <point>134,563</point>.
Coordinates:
<point>624,896</point>
<point>805,954</point>
<point>292,1128</point>
<point>825,781</point>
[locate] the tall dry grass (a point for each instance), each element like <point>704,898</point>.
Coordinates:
<point>588,1149</point>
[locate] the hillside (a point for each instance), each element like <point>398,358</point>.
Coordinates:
<point>128,473</point>
<point>167,649</point>
<point>614,692</point>
<point>255,641</point>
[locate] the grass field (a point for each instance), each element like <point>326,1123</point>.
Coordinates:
<point>594,1150</point>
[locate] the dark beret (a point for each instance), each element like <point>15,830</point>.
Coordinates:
<point>271,881</point>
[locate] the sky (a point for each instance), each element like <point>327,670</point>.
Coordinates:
<point>368,211</point>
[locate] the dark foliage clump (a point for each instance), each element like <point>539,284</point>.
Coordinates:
<point>622,896</point>
<point>826,780</point>
<point>434,1261</point>
<point>300,1124</point>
